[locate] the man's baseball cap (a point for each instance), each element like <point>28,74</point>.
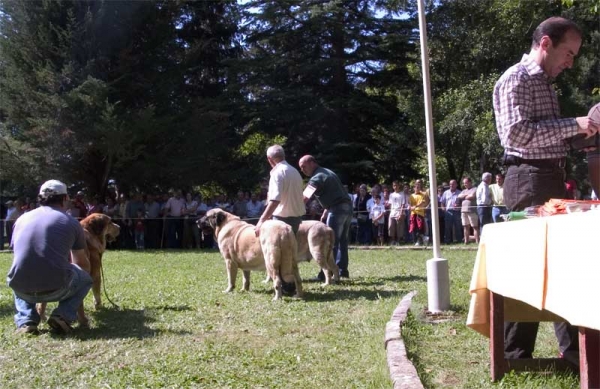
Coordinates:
<point>52,188</point>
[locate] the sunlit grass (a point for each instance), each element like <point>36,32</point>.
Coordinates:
<point>175,328</point>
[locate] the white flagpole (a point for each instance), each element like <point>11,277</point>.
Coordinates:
<point>438,281</point>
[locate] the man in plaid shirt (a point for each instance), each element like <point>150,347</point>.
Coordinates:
<point>534,137</point>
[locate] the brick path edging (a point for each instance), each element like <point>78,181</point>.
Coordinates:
<point>402,372</point>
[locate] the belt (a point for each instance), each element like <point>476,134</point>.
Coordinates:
<point>42,293</point>
<point>512,160</point>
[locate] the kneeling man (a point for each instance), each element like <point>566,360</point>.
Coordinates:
<point>50,263</point>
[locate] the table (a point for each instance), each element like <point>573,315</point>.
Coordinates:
<point>540,269</point>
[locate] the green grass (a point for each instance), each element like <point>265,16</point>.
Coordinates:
<point>175,328</point>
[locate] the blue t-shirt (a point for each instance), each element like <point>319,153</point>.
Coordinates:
<point>42,240</point>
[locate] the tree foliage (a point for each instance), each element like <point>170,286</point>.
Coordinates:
<point>159,94</point>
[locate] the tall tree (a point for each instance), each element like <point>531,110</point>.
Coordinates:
<point>118,88</point>
<point>313,72</point>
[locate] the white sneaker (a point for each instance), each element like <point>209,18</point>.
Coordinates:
<point>418,244</point>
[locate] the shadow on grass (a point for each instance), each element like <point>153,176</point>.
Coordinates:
<point>362,281</point>
<point>8,310</point>
<point>111,323</point>
<point>338,295</point>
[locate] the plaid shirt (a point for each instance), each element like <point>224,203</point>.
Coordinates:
<point>527,113</point>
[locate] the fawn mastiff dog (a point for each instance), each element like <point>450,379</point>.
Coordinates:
<point>275,250</point>
<point>315,241</point>
<point>98,229</point>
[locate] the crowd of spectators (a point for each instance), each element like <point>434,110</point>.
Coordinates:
<point>168,220</point>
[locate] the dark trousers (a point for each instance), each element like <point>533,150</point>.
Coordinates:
<point>526,186</point>
<point>453,227</point>
<point>2,234</point>
<point>174,232</point>
<point>484,213</point>
<point>152,233</point>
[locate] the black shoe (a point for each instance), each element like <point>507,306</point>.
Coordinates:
<point>344,274</point>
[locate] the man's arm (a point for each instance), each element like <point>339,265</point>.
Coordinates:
<point>80,258</point>
<point>267,213</point>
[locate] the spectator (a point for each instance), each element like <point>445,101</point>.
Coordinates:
<point>398,203</point>
<point>377,216</point>
<point>497,193</point>
<point>153,222</point>
<point>362,216</point>
<point>484,201</point>
<point>452,213</point>
<point>468,211</point>
<point>13,214</point>
<point>370,203</point>
<point>255,208</point>
<point>240,207</point>
<point>191,234</point>
<point>79,207</point>
<point>174,220</point>
<point>139,229</point>
<point>418,200</point>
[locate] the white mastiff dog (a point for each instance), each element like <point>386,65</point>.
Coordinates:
<point>315,241</point>
<point>275,250</point>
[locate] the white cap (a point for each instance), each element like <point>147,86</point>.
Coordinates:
<point>52,187</point>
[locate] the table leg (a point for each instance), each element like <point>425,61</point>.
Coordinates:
<point>589,358</point>
<point>498,363</point>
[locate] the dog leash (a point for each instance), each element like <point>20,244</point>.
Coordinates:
<point>104,287</point>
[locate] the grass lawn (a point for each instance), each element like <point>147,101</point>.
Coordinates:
<point>176,329</point>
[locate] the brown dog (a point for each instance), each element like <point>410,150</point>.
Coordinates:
<point>275,250</point>
<point>315,241</point>
<point>98,229</point>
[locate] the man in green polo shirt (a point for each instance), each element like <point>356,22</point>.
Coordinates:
<point>337,207</point>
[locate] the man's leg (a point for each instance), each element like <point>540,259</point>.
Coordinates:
<point>519,339</point>
<point>26,313</point>
<point>80,285</point>
<point>345,218</point>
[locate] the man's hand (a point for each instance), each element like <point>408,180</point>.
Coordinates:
<point>587,126</point>
<point>257,227</point>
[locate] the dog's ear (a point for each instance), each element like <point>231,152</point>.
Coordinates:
<point>97,224</point>
<point>220,218</point>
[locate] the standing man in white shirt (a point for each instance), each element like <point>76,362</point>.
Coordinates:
<point>484,201</point>
<point>284,201</point>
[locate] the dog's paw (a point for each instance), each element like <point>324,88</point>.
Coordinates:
<point>83,323</point>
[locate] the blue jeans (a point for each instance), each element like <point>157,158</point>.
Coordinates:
<point>69,299</point>
<point>497,211</point>
<point>339,218</point>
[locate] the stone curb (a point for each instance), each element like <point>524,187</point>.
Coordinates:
<point>402,372</point>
